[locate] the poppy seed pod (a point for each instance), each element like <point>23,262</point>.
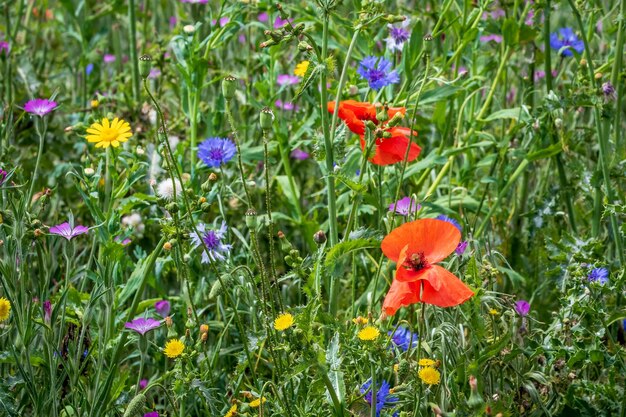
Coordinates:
<point>251,218</point>
<point>229,87</point>
<point>428,44</point>
<point>145,65</point>
<point>266,118</point>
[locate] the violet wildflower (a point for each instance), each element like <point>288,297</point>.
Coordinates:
<point>279,22</point>
<point>398,35</point>
<point>4,48</point>
<point>609,91</point>
<point>143,384</point>
<point>377,72</point>
<point>566,40</point>
<point>522,307</point>
<point>122,241</point>
<point>154,73</point>
<point>152,414</point>
<point>173,22</point>
<point>403,338</point>
<point>109,58</point>
<point>212,240</point>
<point>3,176</point>
<point>263,17</point>
<point>47,311</point>
<point>67,231</point>
<point>599,275</point>
<point>162,308</point>
<point>89,69</point>
<point>460,248</point>
<point>299,154</point>
<point>383,397</point>
<point>405,206</point>
<point>142,325</point>
<point>195,1</point>
<point>288,106</point>
<point>216,151</point>
<point>492,37</point>
<point>40,106</point>
<point>450,220</point>
<point>287,79</point>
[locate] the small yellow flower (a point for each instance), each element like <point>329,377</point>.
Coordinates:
<point>257,402</point>
<point>426,362</point>
<point>174,348</point>
<point>429,375</point>
<point>396,367</point>
<point>94,104</point>
<point>105,133</point>
<point>232,411</point>
<point>283,322</point>
<point>368,333</point>
<point>360,320</point>
<point>5,309</point>
<point>301,68</point>
<point>493,312</point>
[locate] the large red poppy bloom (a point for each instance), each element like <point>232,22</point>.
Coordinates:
<point>387,150</point>
<point>416,247</point>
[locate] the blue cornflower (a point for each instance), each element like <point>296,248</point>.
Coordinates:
<point>377,72</point>
<point>600,275</point>
<point>216,151</point>
<point>566,38</point>
<point>403,338</point>
<point>450,220</point>
<point>398,35</point>
<point>89,69</point>
<point>382,395</point>
<point>212,239</point>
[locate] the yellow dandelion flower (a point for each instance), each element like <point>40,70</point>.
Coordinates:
<point>105,133</point>
<point>493,312</point>
<point>429,375</point>
<point>256,403</point>
<point>360,320</point>
<point>174,348</point>
<point>368,333</point>
<point>426,362</point>
<point>232,411</point>
<point>5,309</point>
<point>301,68</point>
<point>283,322</point>
<point>94,104</point>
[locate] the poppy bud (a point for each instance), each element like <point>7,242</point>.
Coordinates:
<point>319,237</point>
<point>386,135</point>
<point>370,125</point>
<point>145,65</point>
<point>266,118</point>
<point>229,87</point>
<point>475,401</point>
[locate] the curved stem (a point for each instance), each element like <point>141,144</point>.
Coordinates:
<point>41,135</point>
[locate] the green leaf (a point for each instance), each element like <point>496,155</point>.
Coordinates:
<point>517,113</point>
<point>510,32</point>
<point>333,359</point>
<point>283,182</point>
<point>548,152</point>
<point>346,247</point>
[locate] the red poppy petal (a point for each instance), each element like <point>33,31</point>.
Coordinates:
<point>452,291</point>
<point>363,111</point>
<point>436,239</point>
<point>400,294</point>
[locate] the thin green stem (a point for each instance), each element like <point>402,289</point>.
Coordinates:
<point>41,135</point>
<point>132,36</point>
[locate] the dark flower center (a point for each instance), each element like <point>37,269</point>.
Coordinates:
<point>216,154</point>
<point>375,75</point>
<point>399,35</point>
<point>416,262</point>
<point>211,240</point>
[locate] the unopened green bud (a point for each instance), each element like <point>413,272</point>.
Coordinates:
<point>396,119</point>
<point>229,87</point>
<point>145,65</point>
<point>304,46</point>
<point>205,207</point>
<point>136,405</point>
<point>206,186</point>
<point>381,113</point>
<point>172,207</point>
<point>266,118</point>
<point>370,125</point>
<point>298,29</point>
<point>251,219</point>
<point>386,134</point>
<point>394,18</point>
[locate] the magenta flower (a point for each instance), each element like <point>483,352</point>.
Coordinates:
<point>67,231</point>
<point>39,106</point>
<point>460,248</point>
<point>195,1</point>
<point>287,79</point>
<point>4,48</point>
<point>162,308</point>
<point>299,154</point>
<point>288,106</point>
<point>152,414</point>
<point>47,311</point>
<point>109,59</point>
<point>492,37</point>
<point>143,384</point>
<point>143,325</point>
<point>173,22</point>
<point>279,23</point>
<point>404,206</point>
<point>522,307</point>
<point>3,176</point>
<point>263,17</point>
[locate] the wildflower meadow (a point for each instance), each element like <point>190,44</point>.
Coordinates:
<point>334,208</point>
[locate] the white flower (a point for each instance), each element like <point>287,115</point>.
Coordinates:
<point>135,221</point>
<point>165,189</point>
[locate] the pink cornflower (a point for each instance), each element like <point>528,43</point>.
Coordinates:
<point>40,106</point>
<point>67,231</point>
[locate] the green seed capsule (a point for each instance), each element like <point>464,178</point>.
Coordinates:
<point>145,65</point>
<point>229,87</point>
<point>266,118</point>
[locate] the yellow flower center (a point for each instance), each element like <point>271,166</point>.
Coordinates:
<point>368,333</point>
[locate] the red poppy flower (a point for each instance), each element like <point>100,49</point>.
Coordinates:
<point>416,247</point>
<point>388,150</point>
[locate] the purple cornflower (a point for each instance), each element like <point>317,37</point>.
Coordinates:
<point>460,248</point>
<point>522,307</point>
<point>47,311</point>
<point>609,91</point>
<point>67,231</point>
<point>287,79</point>
<point>223,21</point>
<point>566,40</point>
<point>405,206</point>
<point>142,325</point>
<point>4,48</point>
<point>173,22</point>
<point>162,308</point>
<point>212,239</point>
<point>450,220</point>
<point>263,17</point>
<point>154,73</point>
<point>382,395</point>
<point>3,176</point>
<point>403,338</point>
<point>122,241</point>
<point>299,154</point>
<point>377,71</point>
<point>492,37</point>
<point>288,106</point>
<point>39,106</point>
<point>143,384</point>
<point>216,151</point>
<point>398,35</point>
<point>152,414</point>
<point>109,59</point>
<point>599,275</point>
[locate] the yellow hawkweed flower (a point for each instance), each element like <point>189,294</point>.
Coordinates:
<point>5,309</point>
<point>283,322</point>
<point>232,411</point>
<point>105,133</point>
<point>368,333</point>
<point>174,348</point>
<point>426,362</point>
<point>493,312</point>
<point>94,104</point>
<point>256,403</point>
<point>360,320</point>
<point>429,375</point>
<point>301,68</point>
